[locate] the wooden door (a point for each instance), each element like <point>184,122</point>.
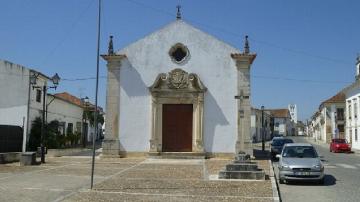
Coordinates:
<point>177,127</point>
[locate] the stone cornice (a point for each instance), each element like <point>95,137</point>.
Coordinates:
<point>244,57</point>
<point>115,57</point>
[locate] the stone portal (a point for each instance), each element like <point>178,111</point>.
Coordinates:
<point>177,113</point>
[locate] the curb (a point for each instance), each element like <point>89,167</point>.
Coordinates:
<point>274,184</point>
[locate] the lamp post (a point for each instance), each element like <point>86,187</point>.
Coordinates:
<point>33,81</point>
<point>85,102</point>
<point>262,130</point>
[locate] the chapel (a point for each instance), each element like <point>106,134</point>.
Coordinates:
<point>178,91</point>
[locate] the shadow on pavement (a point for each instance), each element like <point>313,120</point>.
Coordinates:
<point>261,155</point>
<point>329,181</point>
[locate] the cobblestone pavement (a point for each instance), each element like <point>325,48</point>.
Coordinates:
<point>127,179</point>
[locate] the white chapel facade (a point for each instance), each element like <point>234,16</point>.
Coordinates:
<point>178,90</point>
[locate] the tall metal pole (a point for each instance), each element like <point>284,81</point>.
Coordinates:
<point>262,130</point>
<point>96,97</point>
<point>42,147</point>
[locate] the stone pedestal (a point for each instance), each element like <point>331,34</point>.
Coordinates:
<point>28,158</point>
<point>242,168</point>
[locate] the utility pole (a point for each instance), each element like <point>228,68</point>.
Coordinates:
<point>262,130</point>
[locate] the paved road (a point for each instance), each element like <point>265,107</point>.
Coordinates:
<point>342,179</point>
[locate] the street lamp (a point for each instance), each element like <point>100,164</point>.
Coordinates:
<point>262,131</point>
<point>85,102</point>
<point>33,81</point>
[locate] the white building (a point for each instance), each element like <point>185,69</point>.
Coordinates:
<point>283,125</point>
<point>68,110</point>
<point>293,112</point>
<point>173,91</point>
<point>352,93</point>
<point>20,104</point>
<point>328,122</point>
<point>257,127</point>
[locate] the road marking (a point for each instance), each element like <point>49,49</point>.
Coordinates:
<point>346,166</point>
<point>329,166</point>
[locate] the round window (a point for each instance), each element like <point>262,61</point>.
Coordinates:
<point>178,53</point>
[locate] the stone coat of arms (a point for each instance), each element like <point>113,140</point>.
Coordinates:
<point>178,79</point>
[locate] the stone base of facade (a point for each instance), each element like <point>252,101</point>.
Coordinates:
<point>111,148</point>
<point>220,155</point>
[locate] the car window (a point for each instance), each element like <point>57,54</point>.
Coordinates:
<point>281,142</point>
<point>278,142</point>
<point>299,152</point>
<point>340,141</point>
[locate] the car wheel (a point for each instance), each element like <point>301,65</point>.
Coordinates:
<point>322,181</point>
<point>281,181</point>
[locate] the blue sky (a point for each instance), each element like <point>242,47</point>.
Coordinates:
<point>306,49</point>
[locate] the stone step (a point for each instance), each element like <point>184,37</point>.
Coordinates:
<point>244,162</point>
<point>250,175</point>
<point>177,155</point>
<point>242,167</point>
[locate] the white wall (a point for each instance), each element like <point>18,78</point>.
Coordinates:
<point>14,91</point>
<point>209,59</point>
<point>64,111</point>
<point>354,123</point>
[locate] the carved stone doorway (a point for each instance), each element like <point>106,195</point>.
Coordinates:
<point>177,88</point>
<point>177,128</point>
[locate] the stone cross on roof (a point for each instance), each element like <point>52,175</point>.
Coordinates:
<point>178,14</point>
<point>247,47</point>
<point>111,47</point>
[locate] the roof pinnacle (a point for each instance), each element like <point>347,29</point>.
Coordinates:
<point>178,14</point>
<point>246,47</point>
<point>111,47</point>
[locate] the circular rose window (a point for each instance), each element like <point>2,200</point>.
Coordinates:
<point>179,53</point>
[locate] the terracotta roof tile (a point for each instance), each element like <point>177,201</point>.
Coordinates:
<point>340,97</point>
<point>280,112</point>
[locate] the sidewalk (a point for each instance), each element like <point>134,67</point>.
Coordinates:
<point>128,179</point>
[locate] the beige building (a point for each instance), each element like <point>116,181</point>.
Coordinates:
<point>328,122</point>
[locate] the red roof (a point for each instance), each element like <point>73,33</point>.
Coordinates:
<point>70,98</point>
<point>280,112</point>
<point>75,100</point>
<point>340,97</point>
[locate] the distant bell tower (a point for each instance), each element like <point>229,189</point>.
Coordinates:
<point>357,67</point>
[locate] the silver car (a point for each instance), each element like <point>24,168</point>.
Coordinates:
<point>300,161</point>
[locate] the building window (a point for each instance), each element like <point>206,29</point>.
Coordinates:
<point>349,107</point>
<point>78,127</point>
<point>356,138</point>
<point>355,109</point>
<point>341,128</point>
<point>340,114</point>
<point>179,53</point>
<point>70,128</point>
<point>38,95</point>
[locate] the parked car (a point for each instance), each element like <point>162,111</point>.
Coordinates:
<point>277,145</point>
<point>300,162</point>
<point>339,145</point>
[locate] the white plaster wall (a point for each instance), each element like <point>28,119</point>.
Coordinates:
<point>14,91</point>
<point>209,59</point>
<point>353,123</point>
<point>63,111</point>
<point>14,88</point>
